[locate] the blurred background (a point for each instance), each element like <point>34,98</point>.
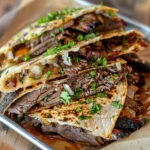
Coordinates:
<point>135,9</point>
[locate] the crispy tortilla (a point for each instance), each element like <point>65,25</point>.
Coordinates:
<point>36,29</point>
<point>100,124</point>
<point>7,99</point>
<point>138,45</point>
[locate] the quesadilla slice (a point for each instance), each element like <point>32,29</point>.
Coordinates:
<point>60,62</point>
<point>57,28</point>
<point>93,115</point>
<point>90,82</point>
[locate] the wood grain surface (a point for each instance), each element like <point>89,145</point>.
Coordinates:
<point>9,140</point>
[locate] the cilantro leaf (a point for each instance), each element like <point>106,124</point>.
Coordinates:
<point>89,100</point>
<point>83,117</point>
<point>116,104</point>
<point>95,108</point>
<point>65,97</point>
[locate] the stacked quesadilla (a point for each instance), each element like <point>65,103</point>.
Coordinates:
<point>63,75</point>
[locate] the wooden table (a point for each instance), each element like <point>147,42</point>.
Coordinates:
<point>9,140</point>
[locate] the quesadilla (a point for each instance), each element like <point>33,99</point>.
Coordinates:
<point>90,82</point>
<point>90,119</point>
<point>65,61</point>
<point>57,28</point>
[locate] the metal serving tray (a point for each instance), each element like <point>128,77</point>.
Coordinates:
<point>131,24</point>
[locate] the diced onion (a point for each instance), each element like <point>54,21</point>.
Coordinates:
<point>37,70</point>
<point>48,61</point>
<point>10,55</point>
<point>68,89</point>
<point>66,59</point>
<point>131,91</point>
<point>118,66</point>
<point>118,48</point>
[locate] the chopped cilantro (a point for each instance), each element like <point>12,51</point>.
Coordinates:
<point>48,115</point>
<point>110,13</point>
<point>52,34</point>
<point>65,97</point>
<point>61,70</point>
<point>99,60</point>
<point>94,86</point>
<point>89,100</point>
<point>26,57</point>
<point>101,95</point>
<point>104,62</point>
<point>78,109</point>
<point>76,59</point>
<point>80,37</point>
<point>92,74</point>
<point>59,48</point>
<point>46,98</point>
<point>115,75</point>
<point>61,30</point>
<point>47,74</point>
<point>89,36</point>
<point>111,79</point>
<point>83,117</point>
<point>116,104</point>
<point>95,108</point>
<point>77,93</point>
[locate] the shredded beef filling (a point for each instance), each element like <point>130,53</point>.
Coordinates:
<point>104,79</point>
<point>84,25</point>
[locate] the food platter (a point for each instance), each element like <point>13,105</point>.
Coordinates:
<point>130,25</point>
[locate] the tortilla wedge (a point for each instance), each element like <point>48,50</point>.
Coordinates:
<point>8,53</point>
<point>12,72</point>
<point>8,99</point>
<point>100,124</point>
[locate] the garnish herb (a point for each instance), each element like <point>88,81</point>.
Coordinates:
<point>47,74</point>
<point>61,30</point>
<point>95,108</point>
<point>99,60</point>
<point>80,37</point>
<point>104,62</point>
<point>110,13</point>
<point>52,34</point>
<point>56,15</point>
<point>115,75</point>
<point>101,95</point>
<point>78,109</point>
<point>76,59</point>
<point>116,104</point>
<point>83,117</point>
<point>59,48</point>
<point>61,70</point>
<point>77,93</point>
<point>89,36</point>
<point>65,97</point>
<point>111,79</point>
<point>7,72</point>
<point>46,98</point>
<point>92,74</point>
<point>89,100</point>
<point>94,86</point>
<point>42,33</point>
<point>26,57</point>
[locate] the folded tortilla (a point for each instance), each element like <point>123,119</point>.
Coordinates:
<point>59,62</point>
<point>100,123</point>
<point>50,32</point>
<point>90,82</point>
